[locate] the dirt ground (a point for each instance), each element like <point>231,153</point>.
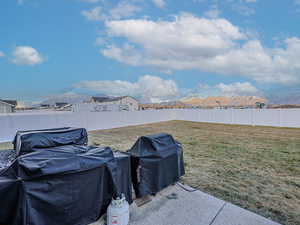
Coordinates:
<point>257,168</point>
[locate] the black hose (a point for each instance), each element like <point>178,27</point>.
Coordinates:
<point>190,189</point>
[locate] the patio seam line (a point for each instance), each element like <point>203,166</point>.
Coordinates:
<point>218,213</point>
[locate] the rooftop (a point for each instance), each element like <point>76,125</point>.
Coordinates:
<point>10,102</point>
<point>107,98</point>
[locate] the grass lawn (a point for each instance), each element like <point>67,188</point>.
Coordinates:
<point>257,168</point>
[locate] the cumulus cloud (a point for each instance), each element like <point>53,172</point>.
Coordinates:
<point>187,35</point>
<point>211,45</point>
<point>93,14</point>
<point>159,3</point>
<point>2,54</point>
<point>123,9</point>
<point>26,55</point>
<point>214,12</point>
<point>237,89</point>
<point>148,88</point>
<point>100,41</point>
<point>243,9</point>
<point>126,54</point>
<point>221,89</point>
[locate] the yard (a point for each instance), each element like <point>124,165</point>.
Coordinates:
<point>257,168</point>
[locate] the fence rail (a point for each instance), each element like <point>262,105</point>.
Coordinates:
<point>10,123</point>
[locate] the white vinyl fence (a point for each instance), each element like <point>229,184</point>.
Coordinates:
<point>10,123</point>
<point>254,117</point>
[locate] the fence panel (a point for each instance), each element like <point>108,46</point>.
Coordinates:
<point>11,123</point>
<point>289,117</point>
<point>266,117</point>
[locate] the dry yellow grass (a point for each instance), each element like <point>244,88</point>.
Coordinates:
<point>257,168</point>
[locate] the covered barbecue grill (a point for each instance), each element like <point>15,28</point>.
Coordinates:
<point>156,162</point>
<point>70,185</point>
<point>31,140</point>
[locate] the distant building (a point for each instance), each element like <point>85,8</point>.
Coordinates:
<point>61,104</point>
<point>7,106</point>
<point>44,106</point>
<point>124,102</point>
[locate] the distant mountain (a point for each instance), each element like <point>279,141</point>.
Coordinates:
<point>224,101</point>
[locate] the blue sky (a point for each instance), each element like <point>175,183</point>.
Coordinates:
<point>155,50</point>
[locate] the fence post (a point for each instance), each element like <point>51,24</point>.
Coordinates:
<point>252,117</point>
<point>279,111</point>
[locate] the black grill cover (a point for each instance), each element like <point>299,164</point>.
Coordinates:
<point>26,141</point>
<point>69,185</point>
<point>123,177</point>
<point>6,158</point>
<point>157,162</point>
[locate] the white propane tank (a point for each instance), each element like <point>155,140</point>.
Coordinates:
<point>118,212</point>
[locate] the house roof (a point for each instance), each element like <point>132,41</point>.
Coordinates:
<point>108,99</point>
<point>60,104</point>
<point>9,102</point>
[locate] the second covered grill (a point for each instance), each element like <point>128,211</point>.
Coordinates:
<point>156,162</point>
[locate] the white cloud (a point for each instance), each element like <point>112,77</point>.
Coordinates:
<point>210,45</point>
<point>237,89</point>
<point>127,54</point>
<point>100,41</point>
<point>243,9</point>
<point>221,89</point>
<point>214,12</point>
<point>186,33</point>
<point>159,3</point>
<point>26,55</point>
<point>2,54</point>
<point>93,14</point>
<point>148,88</point>
<point>123,10</point>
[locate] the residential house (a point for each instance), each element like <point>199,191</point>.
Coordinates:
<point>124,102</point>
<point>7,106</point>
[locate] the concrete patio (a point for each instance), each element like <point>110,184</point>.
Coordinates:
<point>185,206</point>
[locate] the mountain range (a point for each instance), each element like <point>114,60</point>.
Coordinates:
<point>222,101</point>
